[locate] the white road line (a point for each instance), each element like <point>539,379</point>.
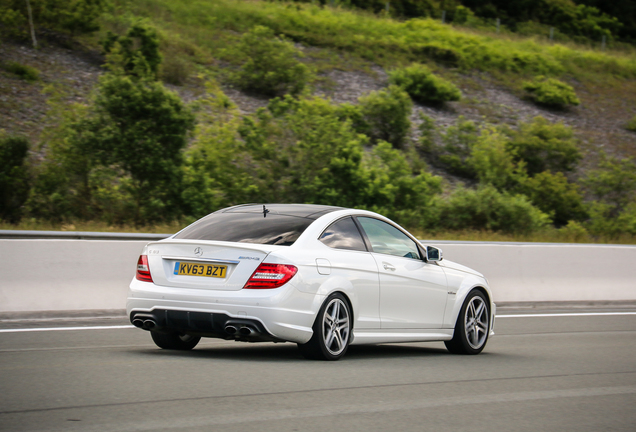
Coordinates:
<point>65,328</point>
<point>573,314</point>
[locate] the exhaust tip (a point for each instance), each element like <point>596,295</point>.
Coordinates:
<point>149,324</point>
<point>138,323</point>
<point>246,331</point>
<point>230,329</point>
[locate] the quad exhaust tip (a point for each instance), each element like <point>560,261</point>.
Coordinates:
<point>149,324</point>
<point>240,331</point>
<point>246,331</point>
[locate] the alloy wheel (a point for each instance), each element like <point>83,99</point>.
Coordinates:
<point>336,326</point>
<point>476,322</point>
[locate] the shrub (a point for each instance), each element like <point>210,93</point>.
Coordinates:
<point>73,17</point>
<point>544,146</point>
<point>420,83</point>
<point>631,125</point>
<point>491,162</point>
<point>137,53</point>
<point>428,132</point>
<point>216,170</point>
<point>459,141</point>
<point>175,70</point>
<point>613,183</point>
<point>302,151</point>
<point>385,115</point>
<point>142,128</point>
<point>551,92</point>
<point>605,222</point>
<point>444,56</point>
<point>395,191</point>
<point>270,64</point>
<point>573,232</point>
<point>488,209</point>
<point>554,195</point>
<point>613,189</point>
<point>24,72</point>
<point>62,188</point>
<point>117,158</point>
<point>14,179</point>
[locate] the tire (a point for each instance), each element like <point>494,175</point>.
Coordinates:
<point>332,330</point>
<point>472,327</point>
<point>175,341</point>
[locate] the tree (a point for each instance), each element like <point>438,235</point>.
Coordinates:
<point>544,146</point>
<point>142,128</point>
<point>385,115</point>
<point>489,209</point>
<point>68,16</point>
<point>14,177</point>
<point>137,53</point>
<point>554,195</point>
<point>492,163</point>
<point>270,65</point>
<point>613,183</point>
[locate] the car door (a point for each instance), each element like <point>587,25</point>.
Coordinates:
<point>349,260</point>
<point>413,292</point>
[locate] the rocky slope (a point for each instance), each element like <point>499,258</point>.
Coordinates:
<point>598,122</point>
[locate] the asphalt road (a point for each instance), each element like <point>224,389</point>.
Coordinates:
<point>554,373</point>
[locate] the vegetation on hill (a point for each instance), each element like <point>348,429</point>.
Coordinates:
<point>134,152</point>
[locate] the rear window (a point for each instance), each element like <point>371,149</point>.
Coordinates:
<point>275,229</point>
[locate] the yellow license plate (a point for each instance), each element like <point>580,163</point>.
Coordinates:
<point>195,269</point>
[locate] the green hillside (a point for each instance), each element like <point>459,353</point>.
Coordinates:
<point>152,113</point>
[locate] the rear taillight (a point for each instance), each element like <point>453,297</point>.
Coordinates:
<point>143,270</point>
<point>269,276</point>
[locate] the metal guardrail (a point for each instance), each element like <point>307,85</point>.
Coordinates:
<point>77,235</point>
<point>88,235</point>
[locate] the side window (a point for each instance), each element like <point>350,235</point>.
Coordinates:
<point>343,234</point>
<point>386,239</point>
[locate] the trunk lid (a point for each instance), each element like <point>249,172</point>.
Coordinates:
<point>201,264</point>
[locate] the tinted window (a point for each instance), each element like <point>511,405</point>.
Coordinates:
<point>343,234</point>
<point>387,239</point>
<point>275,229</point>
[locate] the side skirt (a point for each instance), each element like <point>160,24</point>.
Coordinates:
<point>378,336</point>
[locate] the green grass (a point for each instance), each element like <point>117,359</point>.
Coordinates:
<point>21,71</point>
<point>92,226</point>
<point>215,25</point>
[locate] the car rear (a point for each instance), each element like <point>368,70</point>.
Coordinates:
<point>228,276</point>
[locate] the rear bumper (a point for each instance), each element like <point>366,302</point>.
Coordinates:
<point>202,324</point>
<point>282,314</point>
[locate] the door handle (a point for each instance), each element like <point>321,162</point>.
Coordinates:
<point>388,267</point>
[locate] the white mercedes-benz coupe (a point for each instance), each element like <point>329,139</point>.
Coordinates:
<point>322,277</point>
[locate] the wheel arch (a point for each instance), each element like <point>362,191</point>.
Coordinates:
<point>467,286</point>
<point>351,310</point>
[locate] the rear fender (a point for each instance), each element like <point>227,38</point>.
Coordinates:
<point>338,284</point>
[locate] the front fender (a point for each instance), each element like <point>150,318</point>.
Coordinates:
<point>461,284</point>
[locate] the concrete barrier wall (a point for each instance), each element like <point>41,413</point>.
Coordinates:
<point>551,272</point>
<point>49,275</point>
<point>40,275</point>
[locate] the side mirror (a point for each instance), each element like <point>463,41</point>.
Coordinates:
<point>433,254</point>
